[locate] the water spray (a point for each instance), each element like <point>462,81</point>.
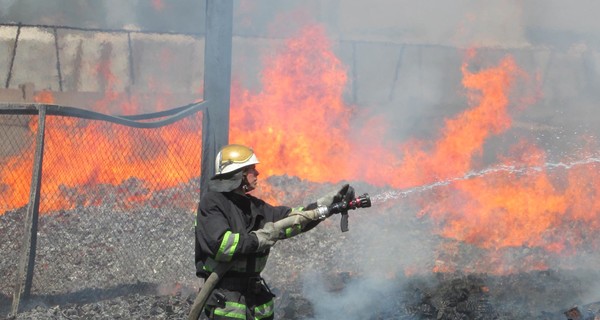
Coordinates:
<point>512,169</point>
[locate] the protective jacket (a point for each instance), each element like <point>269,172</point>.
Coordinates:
<point>223,225</point>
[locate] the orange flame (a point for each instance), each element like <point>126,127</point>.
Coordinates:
<point>300,126</point>
<point>65,153</point>
<point>463,137</point>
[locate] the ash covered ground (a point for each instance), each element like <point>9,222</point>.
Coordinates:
<point>101,263</point>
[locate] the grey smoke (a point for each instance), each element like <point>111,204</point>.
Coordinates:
<point>361,298</point>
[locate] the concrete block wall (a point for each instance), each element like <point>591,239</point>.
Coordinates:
<point>100,63</point>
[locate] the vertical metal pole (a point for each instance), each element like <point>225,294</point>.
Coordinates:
<point>58,68</point>
<point>12,59</point>
<point>130,58</point>
<point>217,84</point>
<point>27,259</point>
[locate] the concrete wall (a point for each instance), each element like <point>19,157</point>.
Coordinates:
<point>100,63</point>
<point>403,57</point>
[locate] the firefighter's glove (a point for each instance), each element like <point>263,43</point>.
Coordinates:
<point>333,197</point>
<point>267,236</point>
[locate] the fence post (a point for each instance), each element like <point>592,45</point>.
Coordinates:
<point>27,259</point>
<point>217,84</point>
<point>12,57</point>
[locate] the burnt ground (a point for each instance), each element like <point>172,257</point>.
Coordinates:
<point>101,263</point>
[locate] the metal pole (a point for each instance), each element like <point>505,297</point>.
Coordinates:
<point>215,118</point>
<point>12,59</point>
<point>58,68</point>
<point>27,259</point>
<point>130,57</point>
<point>217,84</point>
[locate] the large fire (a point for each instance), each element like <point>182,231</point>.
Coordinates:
<point>299,125</point>
<point>69,147</point>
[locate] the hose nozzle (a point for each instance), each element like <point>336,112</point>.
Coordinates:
<point>363,201</point>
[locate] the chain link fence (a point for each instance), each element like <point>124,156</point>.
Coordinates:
<point>116,204</point>
<point>16,143</point>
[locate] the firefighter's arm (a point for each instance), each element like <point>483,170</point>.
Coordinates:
<point>266,237</point>
<point>305,218</point>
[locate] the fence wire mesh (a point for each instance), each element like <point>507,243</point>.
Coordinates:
<point>116,208</point>
<point>16,158</point>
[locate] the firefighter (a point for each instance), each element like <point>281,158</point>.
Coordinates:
<point>235,227</point>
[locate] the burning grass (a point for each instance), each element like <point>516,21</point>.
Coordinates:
<point>469,232</point>
<point>98,262</point>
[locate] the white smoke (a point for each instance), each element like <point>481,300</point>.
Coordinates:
<point>385,243</point>
<point>360,299</point>
<point>122,13</point>
<point>5,5</point>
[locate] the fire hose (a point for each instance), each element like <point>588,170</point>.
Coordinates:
<point>341,207</point>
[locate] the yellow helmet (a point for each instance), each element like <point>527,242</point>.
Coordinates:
<point>233,157</point>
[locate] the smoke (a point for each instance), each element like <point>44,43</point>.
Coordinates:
<point>120,13</point>
<point>5,5</point>
<point>460,23</point>
<point>184,16</point>
<point>158,15</point>
<point>385,244</point>
<point>592,291</point>
<point>360,299</point>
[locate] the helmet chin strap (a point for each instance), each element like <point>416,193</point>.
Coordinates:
<point>245,184</point>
